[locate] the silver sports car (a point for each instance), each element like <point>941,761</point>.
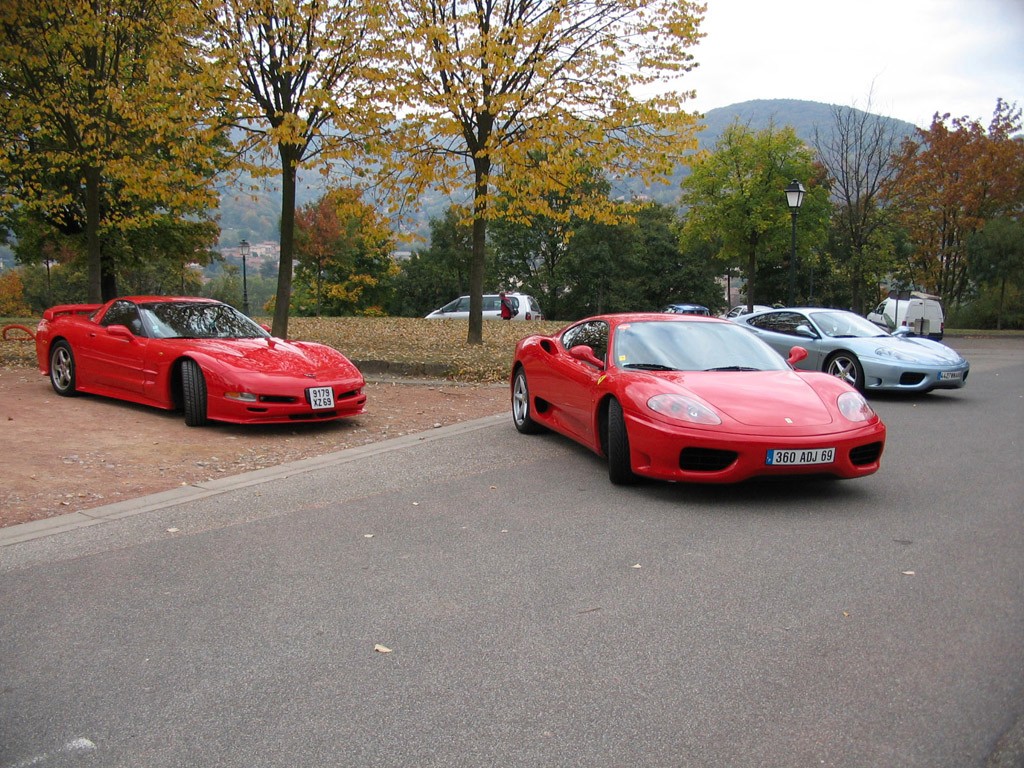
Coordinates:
<point>853,348</point>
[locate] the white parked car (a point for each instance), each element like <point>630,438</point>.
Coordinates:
<point>741,309</point>
<point>524,307</point>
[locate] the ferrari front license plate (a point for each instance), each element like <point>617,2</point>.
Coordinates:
<point>320,397</point>
<point>951,375</point>
<point>785,457</point>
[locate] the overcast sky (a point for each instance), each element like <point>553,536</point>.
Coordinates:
<point>912,57</point>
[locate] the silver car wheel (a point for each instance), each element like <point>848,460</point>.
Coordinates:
<point>846,367</point>
<point>520,400</point>
<point>521,416</point>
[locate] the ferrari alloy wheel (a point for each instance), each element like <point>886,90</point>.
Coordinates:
<point>619,470</point>
<point>62,369</point>
<point>846,366</point>
<point>521,406</point>
<point>193,390</point>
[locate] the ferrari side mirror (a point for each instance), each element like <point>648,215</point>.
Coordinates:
<point>585,354</point>
<point>796,354</point>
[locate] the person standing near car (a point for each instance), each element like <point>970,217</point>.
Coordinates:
<point>506,307</point>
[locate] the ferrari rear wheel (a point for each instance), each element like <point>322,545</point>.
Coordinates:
<point>846,366</point>
<point>521,415</point>
<point>193,391</point>
<point>62,369</point>
<point>620,472</point>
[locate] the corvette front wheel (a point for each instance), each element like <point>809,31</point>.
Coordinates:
<point>62,369</point>
<point>620,472</point>
<point>193,392</point>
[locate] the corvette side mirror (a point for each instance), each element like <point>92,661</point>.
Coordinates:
<point>796,354</point>
<point>585,354</point>
<point>121,332</point>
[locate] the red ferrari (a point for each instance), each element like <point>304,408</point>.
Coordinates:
<point>691,399</point>
<point>197,355</point>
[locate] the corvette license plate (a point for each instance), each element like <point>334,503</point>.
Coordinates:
<point>320,397</point>
<point>951,375</point>
<point>786,457</point>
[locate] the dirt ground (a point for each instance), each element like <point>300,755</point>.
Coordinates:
<point>61,455</point>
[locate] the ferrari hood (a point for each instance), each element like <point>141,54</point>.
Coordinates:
<point>274,356</point>
<point>760,398</point>
<point>921,349</point>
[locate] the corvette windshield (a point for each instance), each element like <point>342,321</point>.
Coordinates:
<point>846,325</point>
<point>694,346</point>
<point>194,320</point>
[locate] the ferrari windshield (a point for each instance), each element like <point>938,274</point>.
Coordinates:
<point>840,324</point>
<point>691,346</point>
<point>198,320</point>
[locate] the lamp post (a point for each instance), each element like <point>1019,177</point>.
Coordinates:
<point>794,197</point>
<point>243,248</point>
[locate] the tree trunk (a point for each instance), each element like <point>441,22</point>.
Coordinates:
<point>284,275</point>
<point>482,168</point>
<point>92,235</point>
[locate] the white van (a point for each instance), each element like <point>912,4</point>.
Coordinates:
<point>524,307</point>
<point>920,315</point>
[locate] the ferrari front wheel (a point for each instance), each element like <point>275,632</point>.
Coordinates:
<point>846,366</point>
<point>62,369</point>
<point>521,415</point>
<point>193,393</point>
<point>620,472</point>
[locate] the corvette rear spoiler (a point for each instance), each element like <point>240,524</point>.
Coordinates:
<point>69,309</point>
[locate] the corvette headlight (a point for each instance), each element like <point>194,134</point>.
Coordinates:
<point>245,397</point>
<point>683,408</point>
<point>854,407</point>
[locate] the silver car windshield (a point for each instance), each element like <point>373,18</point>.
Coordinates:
<point>845,325</point>
<point>695,346</point>
<point>195,320</point>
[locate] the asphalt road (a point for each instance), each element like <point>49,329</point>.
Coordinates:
<point>474,598</point>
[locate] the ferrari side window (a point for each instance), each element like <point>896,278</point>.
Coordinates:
<point>594,334</point>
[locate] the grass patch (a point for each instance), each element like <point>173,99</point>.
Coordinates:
<point>400,345</point>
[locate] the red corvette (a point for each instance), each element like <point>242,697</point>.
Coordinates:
<point>197,355</point>
<point>692,399</point>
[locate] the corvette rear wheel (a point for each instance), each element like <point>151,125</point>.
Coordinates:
<point>619,470</point>
<point>193,391</point>
<point>521,416</point>
<point>62,369</point>
<point>846,366</point>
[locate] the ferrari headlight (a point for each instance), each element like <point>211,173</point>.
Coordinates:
<point>895,354</point>
<point>854,407</point>
<point>683,408</point>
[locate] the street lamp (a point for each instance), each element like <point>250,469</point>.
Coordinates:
<point>243,247</point>
<point>794,197</point>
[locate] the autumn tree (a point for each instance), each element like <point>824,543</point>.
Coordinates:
<point>343,254</point>
<point>301,76</point>
<point>856,151</point>
<point>951,179</point>
<point>486,85</point>
<point>735,200</point>
<point>104,121</point>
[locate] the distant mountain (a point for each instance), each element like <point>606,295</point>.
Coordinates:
<point>255,217</point>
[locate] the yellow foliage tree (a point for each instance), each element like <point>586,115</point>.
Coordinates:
<point>301,76</point>
<point>104,122</point>
<point>490,87</point>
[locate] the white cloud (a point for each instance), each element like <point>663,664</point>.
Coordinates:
<point>913,57</point>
